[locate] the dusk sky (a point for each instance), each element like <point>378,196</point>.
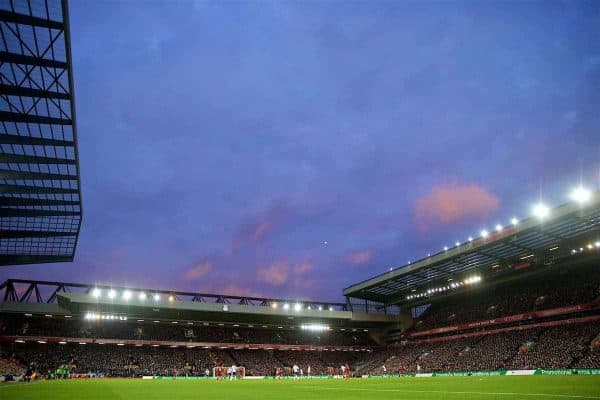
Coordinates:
<point>290,149</point>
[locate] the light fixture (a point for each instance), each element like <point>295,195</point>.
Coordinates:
<point>514,221</point>
<point>470,238</point>
<point>156,297</point>
<point>541,210</point>
<point>96,292</point>
<point>142,296</point>
<point>286,306</point>
<point>297,307</point>
<point>498,227</point>
<point>273,305</point>
<point>126,295</point>
<point>580,195</point>
<point>112,294</point>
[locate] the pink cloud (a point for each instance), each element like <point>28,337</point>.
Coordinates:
<point>198,271</point>
<point>237,290</point>
<point>304,267</point>
<point>276,274</point>
<point>359,257</point>
<point>448,203</point>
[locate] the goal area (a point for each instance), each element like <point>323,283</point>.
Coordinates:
<point>221,372</point>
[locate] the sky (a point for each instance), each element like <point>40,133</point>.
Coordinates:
<point>291,149</point>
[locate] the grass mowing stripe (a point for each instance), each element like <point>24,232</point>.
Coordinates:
<point>569,396</point>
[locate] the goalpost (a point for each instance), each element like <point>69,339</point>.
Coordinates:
<point>221,372</point>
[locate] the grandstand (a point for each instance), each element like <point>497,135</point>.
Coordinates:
<point>493,308</point>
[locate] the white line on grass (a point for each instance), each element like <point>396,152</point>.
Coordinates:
<point>568,396</point>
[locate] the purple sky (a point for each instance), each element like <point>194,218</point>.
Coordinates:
<point>291,149</point>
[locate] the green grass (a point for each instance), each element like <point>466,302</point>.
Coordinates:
<point>446,388</point>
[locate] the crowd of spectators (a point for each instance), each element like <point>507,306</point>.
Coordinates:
<point>564,346</point>
<point>581,286</point>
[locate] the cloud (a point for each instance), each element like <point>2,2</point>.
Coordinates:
<point>234,289</point>
<point>304,267</point>
<point>448,203</point>
<point>359,257</point>
<point>198,271</point>
<point>276,274</point>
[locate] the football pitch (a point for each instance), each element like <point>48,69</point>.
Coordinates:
<point>447,388</point>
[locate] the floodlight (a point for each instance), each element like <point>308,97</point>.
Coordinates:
<point>126,295</point>
<point>484,233</point>
<point>330,308</point>
<point>142,296</point>
<point>597,244</point>
<point>96,292</point>
<point>514,221</point>
<point>156,297</point>
<point>470,238</point>
<point>286,306</point>
<point>541,210</point>
<point>580,195</point>
<point>320,308</point>
<point>112,294</point>
<point>274,305</point>
<point>297,307</point>
<point>498,227</point>
<point>171,298</point>
<point>445,248</point>
<point>457,244</point>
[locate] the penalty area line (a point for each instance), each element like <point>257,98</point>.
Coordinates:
<point>565,396</point>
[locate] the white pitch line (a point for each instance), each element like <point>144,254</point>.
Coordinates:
<point>568,396</point>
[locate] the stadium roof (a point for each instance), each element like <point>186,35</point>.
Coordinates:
<point>40,191</point>
<point>75,299</point>
<point>562,230</point>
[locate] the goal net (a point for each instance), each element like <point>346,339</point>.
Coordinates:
<point>221,372</point>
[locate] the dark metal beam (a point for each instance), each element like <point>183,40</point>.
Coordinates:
<point>12,90</point>
<point>34,141</point>
<point>24,19</point>
<point>16,212</point>
<point>30,60</point>
<point>17,259</point>
<point>15,234</point>
<point>22,189</point>
<point>33,119</point>
<point>25,159</point>
<point>26,175</point>
<point>16,201</point>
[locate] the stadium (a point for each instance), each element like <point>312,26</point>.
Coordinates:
<point>511,312</point>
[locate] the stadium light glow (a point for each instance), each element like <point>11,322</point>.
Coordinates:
<point>297,307</point>
<point>142,296</point>
<point>498,227</point>
<point>320,308</point>
<point>541,210</point>
<point>445,248</point>
<point>112,294</point>
<point>314,327</point>
<point>514,221</point>
<point>470,238</point>
<point>126,295</point>
<point>580,195</point>
<point>597,244</point>
<point>156,297</point>
<point>484,233</point>
<point>96,292</point>
<point>590,246</point>
<point>456,244</point>
<point>273,305</point>
<point>286,306</point>
<point>171,298</point>
<point>330,308</point>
